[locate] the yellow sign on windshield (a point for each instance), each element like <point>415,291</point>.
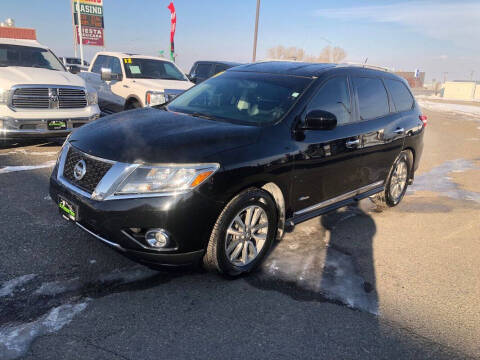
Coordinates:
<point>127,61</point>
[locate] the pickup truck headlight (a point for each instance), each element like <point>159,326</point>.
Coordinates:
<point>92,98</point>
<point>155,98</point>
<point>4,96</point>
<point>166,179</point>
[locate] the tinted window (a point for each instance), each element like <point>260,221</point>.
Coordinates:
<point>220,67</point>
<point>203,70</point>
<point>402,98</point>
<point>242,97</point>
<point>333,97</point>
<point>100,61</point>
<point>372,97</point>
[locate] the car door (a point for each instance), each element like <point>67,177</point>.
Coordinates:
<point>329,162</point>
<point>382,138</point>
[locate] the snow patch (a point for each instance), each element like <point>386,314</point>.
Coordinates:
<point>59,287</point>
<point>306,260</point>
<point>15,340</point>
<point>437,180</point>
<point>9,169</point>
<point>9,286</point>
<point>469,110</point>
<point>33,153</point>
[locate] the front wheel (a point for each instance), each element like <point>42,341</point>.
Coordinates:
<point>243,233</point>
<point>397,182</point>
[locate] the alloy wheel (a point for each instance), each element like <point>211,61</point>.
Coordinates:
<point>246,235</point>
<point>398,181</point>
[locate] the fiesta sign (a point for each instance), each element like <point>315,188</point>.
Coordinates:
<point>92,25</point>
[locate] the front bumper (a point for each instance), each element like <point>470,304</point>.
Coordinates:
<point>188,218</point>
<point>34,124</point>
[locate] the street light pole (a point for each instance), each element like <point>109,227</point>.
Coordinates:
<point>79,20</point>
<point>256,33</point>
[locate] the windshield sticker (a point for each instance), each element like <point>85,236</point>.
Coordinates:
<point>295,94</point>
<point>127,61</point>
<point>134,69</point>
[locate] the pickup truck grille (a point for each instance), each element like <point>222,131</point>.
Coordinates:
<point>96,170</point>
<point>48,98</point>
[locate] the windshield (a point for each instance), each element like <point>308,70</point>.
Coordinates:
<point>137,68</point>
<point>249,98</point>
<point>28,56</point>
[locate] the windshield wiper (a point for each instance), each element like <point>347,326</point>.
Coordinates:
<point>203,116</point>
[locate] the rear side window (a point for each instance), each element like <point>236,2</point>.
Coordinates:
<point>333,97</point>
<point>203,70</point>
<point>402,98</point>
<point>372,97</point>
<point>100,62</point>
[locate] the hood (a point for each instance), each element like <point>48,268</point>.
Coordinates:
<point>159,84</point>
<point>15,75</point>
<point>156,136</point>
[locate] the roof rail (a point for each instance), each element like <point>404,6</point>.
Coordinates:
<point>366,66</point>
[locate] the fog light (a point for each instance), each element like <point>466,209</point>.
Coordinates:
<point>156,238</point>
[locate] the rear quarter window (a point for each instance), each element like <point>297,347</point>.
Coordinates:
<point>372,97</point>
<point>402,99</point>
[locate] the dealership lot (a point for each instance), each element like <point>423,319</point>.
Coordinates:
<point>361,282</point>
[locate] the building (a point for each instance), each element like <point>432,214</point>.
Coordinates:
<point>17,33</point>
<point>412,80</point>
<point>462,90</point>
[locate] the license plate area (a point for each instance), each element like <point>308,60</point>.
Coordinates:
<point>56,125</point>
<point>68,210</point>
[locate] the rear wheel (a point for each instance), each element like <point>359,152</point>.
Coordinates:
<point>397,182</point>
<point>243,233</point>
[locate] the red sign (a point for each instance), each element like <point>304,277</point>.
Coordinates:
<point>18,33</point>
<point>91,36</point>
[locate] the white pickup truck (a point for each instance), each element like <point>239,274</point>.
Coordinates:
<point>126,81</point>
<point>38,97</point>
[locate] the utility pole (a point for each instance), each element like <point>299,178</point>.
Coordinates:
<point>79,20</point>
<point>256,33</point>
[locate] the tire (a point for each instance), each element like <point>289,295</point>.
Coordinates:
<point>133,104</point>
<point>232,251</point>
<point>397,182</point>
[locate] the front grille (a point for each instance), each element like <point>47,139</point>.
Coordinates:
<point>96,170</point>
<point>49,98</point>
<point>71,98</point>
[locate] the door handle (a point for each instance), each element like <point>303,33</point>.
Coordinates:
<point>399,131</point>
<point>351,144</point>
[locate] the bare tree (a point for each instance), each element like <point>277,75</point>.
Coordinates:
<point>337,54</point>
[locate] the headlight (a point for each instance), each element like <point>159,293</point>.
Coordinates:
<point>4,96</point>
<point>92,98</point>
<point>155,98</point>
<point>162,179</point>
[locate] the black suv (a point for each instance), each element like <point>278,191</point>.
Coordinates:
<point>202,70</point>
<point>223,169</point>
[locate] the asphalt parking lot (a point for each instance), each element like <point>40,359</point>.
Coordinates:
<point>361,282</point>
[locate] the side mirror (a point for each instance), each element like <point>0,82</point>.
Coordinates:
<point>74,69</point>
<point>106,74</point>
<point>320,120</point>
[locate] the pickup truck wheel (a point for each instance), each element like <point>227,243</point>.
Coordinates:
<point>133,104</point>
<point>243,233</point>
<point>397,182</point>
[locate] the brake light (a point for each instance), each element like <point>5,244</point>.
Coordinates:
<point>423,118</point>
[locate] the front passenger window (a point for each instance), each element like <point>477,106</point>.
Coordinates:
<point>333,97</point>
